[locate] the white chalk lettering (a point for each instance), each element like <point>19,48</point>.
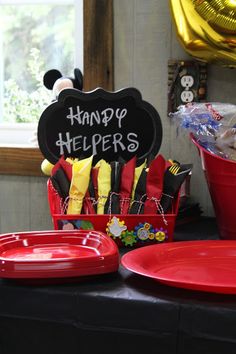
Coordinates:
<point>85,146</point>
<point>77,143</point>
<point>104,117</point>
<point>106,141</point>
<point>121,115</point>
<point>96,116</point>
<point>107,115</point>
<point>96,139</point>
<point>85,119</point>
<point>76,116</point>
<point>97,143</point>
<point>134,143</point>
<point>117,141</point>
<point>66,143</point>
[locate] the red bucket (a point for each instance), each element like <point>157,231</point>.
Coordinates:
<point>221,179</point>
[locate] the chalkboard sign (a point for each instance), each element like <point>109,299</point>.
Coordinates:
<point>108,125</point>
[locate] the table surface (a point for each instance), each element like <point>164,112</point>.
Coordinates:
<point>119,312</point>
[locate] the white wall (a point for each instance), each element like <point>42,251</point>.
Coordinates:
<point>23,204</point>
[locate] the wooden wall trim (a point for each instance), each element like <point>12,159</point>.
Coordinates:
<point>98,45</point>
<point>22,161</point>
<point>98,72</point>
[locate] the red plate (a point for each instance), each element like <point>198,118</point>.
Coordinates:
<point>57,254</point>
<point>197,265</point>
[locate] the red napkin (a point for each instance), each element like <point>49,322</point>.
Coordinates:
<point>154,184</point>
<point>67,167</point>
<point>126,184</point>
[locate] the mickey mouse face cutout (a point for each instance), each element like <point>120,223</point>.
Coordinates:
<point>55,81</point>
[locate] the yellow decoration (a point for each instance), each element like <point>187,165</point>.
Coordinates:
<point>104,184</point>
<point>46,167</point>
<point>207,29</point>
<point>151,236</point>
<point>160,236</point>
<point>79,184</point>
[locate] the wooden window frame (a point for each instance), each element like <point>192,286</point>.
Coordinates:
<point>98,72</point>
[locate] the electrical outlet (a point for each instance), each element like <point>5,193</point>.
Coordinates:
<point>187,96</point>
<point>187,81</point>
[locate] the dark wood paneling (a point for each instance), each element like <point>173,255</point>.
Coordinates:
<point>98,44</point>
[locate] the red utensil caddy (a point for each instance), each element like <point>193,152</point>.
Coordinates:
<point>99,222</point>
<point>130,116</point>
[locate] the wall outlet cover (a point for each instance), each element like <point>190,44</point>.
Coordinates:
<point>187,82</point>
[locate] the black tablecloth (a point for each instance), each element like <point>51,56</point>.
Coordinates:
<point>118,313</point>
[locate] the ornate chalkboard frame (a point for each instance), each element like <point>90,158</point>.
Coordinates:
<point>109,125</point>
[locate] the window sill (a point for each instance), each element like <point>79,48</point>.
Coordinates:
<point>20,160</point>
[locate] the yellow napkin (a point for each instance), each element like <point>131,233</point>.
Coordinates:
<point>71,161</point>
<point>104,184</point>
<point>79,184</point>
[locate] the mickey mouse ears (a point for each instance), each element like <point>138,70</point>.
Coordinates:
<point>51,76</point>
<point>78,80</point>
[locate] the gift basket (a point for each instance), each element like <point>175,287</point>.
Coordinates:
<point>107,174</point>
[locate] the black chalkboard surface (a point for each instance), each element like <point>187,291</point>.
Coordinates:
<point>108,125</point>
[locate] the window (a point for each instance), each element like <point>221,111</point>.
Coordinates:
<point>35,36</point>
<point>97,33</point>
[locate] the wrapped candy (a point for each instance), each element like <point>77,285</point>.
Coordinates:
<point>205,119</point>
<point>212,124</point>
<point>226,142</point>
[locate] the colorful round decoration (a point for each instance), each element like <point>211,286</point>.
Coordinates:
<point>144,231</point>
<point>151,236</point>
<point>161,234</point>
<point>115,227</point>
<point>129,238</point>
